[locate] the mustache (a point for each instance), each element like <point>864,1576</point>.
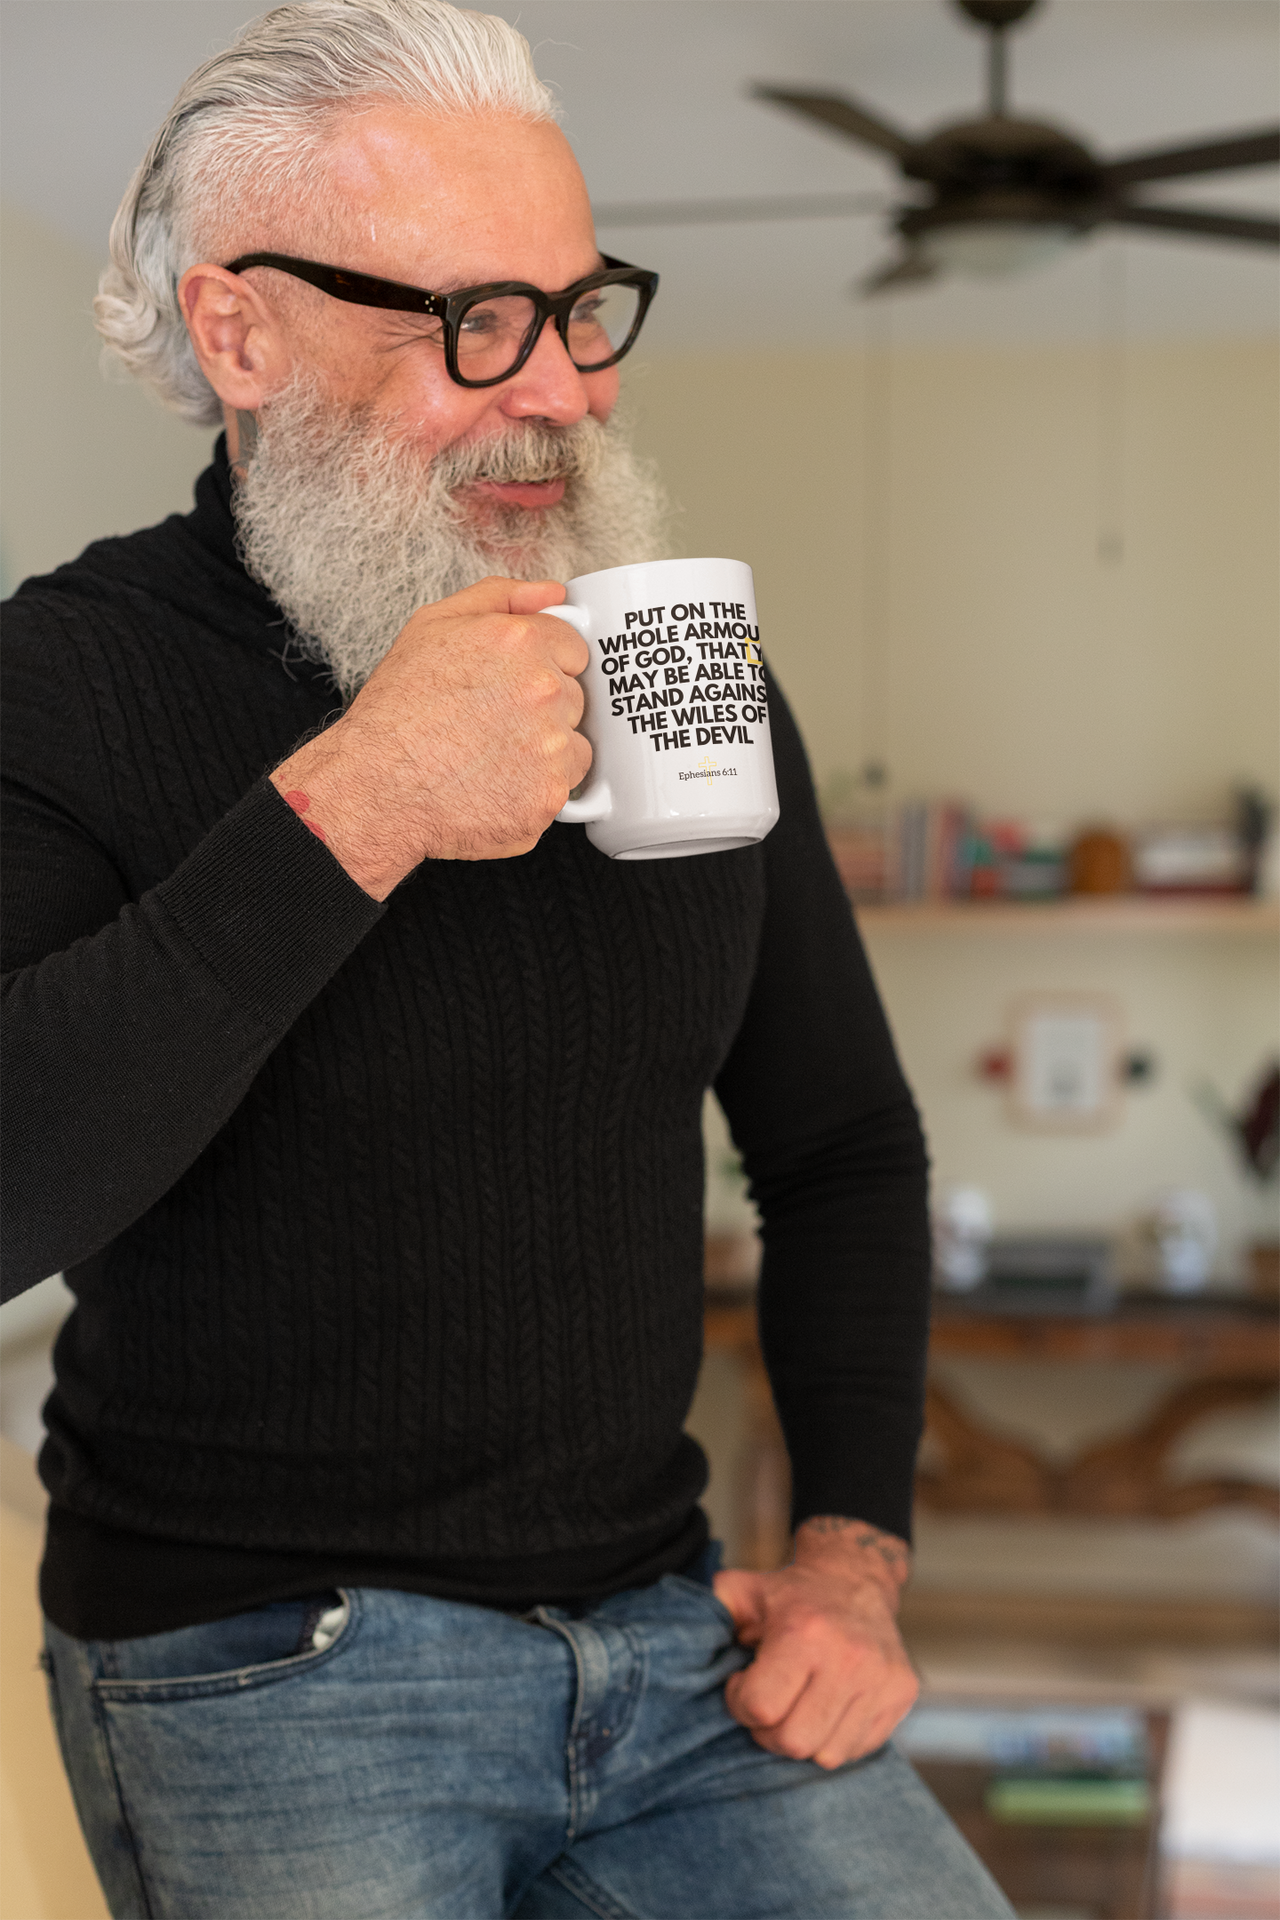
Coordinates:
<point>379,448</point>
<point>535,451</point>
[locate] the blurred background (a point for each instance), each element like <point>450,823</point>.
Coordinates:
<point>1013,537</point>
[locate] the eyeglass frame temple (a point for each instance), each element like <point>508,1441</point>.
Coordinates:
<point>407,299</point>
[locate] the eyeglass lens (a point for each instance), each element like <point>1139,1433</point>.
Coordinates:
<point>492,333</point>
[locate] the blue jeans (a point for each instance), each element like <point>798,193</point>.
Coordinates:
<point>376,1755</point>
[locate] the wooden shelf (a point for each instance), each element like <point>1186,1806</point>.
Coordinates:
<point>1123,913</point>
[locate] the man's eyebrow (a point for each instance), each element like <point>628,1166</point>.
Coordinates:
<point>440,289</point>
<point>457,285</point>
<point>397,319</point>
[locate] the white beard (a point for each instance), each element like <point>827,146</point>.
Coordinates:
<point>351,529</point>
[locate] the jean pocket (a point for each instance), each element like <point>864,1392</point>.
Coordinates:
<point>707,1595</point>
<point>259,1648</point>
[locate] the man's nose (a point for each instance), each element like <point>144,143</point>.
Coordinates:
<point>548,385</point>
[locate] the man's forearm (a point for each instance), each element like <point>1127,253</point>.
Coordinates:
<point>130,1048</point>
<point>854,1550</point>
<point>844,1312</point>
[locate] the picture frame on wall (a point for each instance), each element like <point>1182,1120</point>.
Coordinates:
<point>1066,1053</point>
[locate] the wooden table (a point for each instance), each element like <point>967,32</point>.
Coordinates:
<point>1228,1346</point>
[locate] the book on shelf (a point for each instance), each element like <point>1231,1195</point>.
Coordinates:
<point>921,850</point>
<point>939,850</point>
<point>930,851</point>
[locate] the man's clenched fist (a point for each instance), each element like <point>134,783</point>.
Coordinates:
<point>462,744</point>
<point>831,1679</point>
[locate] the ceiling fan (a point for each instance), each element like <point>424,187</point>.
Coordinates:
<point>999,192</point>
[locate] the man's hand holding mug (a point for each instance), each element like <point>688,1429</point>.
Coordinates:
<point>464,743</point>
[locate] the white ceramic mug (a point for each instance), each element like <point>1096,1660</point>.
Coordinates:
<point>676,709</point>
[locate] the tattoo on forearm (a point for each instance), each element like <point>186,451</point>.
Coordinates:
<point>894,1552</point>
<point>301,803</point>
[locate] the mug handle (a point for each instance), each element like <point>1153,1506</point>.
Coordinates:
<point>597,802</point>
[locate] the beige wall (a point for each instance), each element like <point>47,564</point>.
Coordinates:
<point>1204,1005</point>
<point>82,456</point>
<point>929,519</point>
<point>924,528</point>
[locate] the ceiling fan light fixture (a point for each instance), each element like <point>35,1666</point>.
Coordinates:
<point>999,194</point>
<point>995,249</point>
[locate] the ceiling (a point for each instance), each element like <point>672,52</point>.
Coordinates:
<point>655,97</point>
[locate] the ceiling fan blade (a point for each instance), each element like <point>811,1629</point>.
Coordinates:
<point>697,213</point>
<point>908,270</point>
<point>1206,222</point>
<point>846,116</point>
<point>1258,148</point>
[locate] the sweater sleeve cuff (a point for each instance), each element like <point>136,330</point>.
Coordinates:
<point>267,907</point>
<point>826,1480</point>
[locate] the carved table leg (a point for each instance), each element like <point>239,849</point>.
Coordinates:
<point>1128,1475</point>
<point>981,1472</point>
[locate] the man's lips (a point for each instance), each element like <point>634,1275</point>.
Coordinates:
<point>523,493</point>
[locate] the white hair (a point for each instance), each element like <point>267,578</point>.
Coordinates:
<point>247,134</point>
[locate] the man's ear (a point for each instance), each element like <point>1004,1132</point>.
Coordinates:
<point>236,336</point>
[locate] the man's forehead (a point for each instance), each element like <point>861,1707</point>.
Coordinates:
<point>454,201</point>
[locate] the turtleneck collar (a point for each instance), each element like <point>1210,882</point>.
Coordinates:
<point>212,524</point>
<point>213,519</point>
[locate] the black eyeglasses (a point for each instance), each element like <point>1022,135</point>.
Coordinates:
<point>489,332</point>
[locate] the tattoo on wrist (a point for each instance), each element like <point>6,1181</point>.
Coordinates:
<point>301,804</point>
<point>895,1553</point>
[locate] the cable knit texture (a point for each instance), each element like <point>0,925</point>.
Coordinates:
<point>385,1223</point>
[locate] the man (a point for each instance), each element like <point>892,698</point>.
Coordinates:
<point>361,1102</point>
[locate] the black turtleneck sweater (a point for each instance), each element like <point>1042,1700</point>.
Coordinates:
<point>384,1223</point>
